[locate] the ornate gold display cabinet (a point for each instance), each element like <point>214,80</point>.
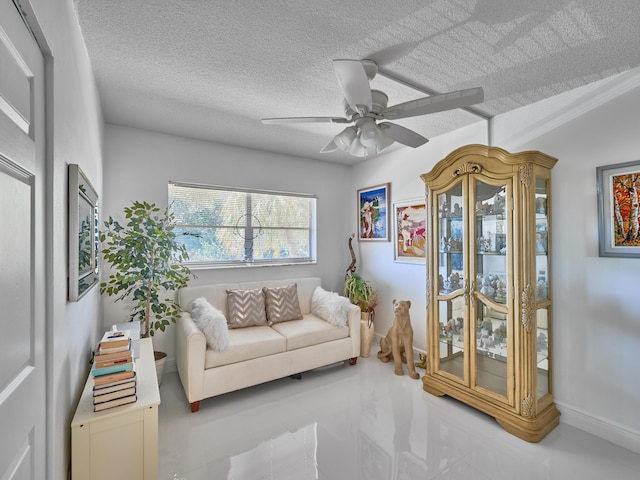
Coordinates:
<point>488,286</point>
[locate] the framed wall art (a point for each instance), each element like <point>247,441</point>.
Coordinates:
<point>409,231</point>
<point>619,209</point>
<point>83,235</point>
<point>373,220</point>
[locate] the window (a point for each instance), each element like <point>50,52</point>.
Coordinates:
<point>231,226</point>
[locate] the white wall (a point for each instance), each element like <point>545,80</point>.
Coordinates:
<point>74,135</point>
<point>139,164</point>
<point>596,321</point>
<point>394,280</point>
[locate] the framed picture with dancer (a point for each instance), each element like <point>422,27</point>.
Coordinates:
<point>373,219</point>
<point>409,231</point>
<point>619,209</point>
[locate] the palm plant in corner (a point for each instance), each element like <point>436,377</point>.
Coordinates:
<point>361,293</point>
<point>146,260</point>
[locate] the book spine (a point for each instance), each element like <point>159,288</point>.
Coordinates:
<point>108,349</point>
<point>113,395</point>
<point>115,403</point>
<point>110,363</point>
<point>113,343</point>
<point>98,372</point>
<point>103,357</point>
<point>113,377</point>
<point>108,388</point>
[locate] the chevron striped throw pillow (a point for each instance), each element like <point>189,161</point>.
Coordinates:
<point>246,308</point>
<point>282,303</point>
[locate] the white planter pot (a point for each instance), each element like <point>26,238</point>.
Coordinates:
<point>160,358</point>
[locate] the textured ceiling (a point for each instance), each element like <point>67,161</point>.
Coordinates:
<point>211,69</point>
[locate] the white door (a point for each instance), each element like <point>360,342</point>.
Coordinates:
<point>22,296</point>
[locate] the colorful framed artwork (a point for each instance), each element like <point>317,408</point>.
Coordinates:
<point>373,220</point>
<point>409,232</point>
<point>619,209</point>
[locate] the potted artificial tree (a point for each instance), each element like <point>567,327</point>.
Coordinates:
<point>361,293</point>
<point>146,259</point>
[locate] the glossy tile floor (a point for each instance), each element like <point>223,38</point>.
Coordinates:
<point>363,423</point>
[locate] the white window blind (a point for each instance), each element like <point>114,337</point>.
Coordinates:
<point>230,226</point>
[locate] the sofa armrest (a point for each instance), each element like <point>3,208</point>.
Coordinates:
<point>191,347</point>
<point>353,319</point>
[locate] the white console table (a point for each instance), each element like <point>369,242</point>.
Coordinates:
<point>121,442</point>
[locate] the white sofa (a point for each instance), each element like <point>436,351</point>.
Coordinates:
<point>258,354</point>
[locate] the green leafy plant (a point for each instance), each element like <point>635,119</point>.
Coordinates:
<point>361,293</point>
<point>146,258</point>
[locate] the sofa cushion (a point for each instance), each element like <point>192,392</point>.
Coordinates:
<point>282,303</point>
<point>311,330</point>
<point>212,323</point>
<point>245,344</point>
<point>330,306</point>
<point>216,293</point>
<point>246,308</point>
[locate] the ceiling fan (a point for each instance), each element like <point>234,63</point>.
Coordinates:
<point>366,108</point>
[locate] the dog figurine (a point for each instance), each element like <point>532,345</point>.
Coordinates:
<point>398,344</point>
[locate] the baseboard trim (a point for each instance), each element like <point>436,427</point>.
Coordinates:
<point>600,427</point>
<point>610,431</point>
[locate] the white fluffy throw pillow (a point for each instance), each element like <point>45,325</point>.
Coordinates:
<point>330,306</point>
<point>212,323</point>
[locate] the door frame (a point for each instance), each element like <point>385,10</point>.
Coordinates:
<point>29,17</point>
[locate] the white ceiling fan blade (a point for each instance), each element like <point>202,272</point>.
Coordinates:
<point>403,135</point>
<point>329,147</point>
<point>435,103</point>
<point>305,120</point>
<point>352,77</point>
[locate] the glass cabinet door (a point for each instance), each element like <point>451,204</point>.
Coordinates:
<point>542,288</point>
<point>491,326</point>
<point>452,305</point>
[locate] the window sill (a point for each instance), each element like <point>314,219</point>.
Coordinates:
<point>211,266</point>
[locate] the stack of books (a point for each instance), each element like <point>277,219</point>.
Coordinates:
<point>113,371</point>
<point>134,331</point>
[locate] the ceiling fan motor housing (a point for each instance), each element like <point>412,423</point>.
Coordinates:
<point>379,101</point>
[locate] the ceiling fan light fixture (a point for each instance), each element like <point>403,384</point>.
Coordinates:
<point>384,141</point>
<point>345,138</point>
<point>370,134</point>
<point>358,149</point>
